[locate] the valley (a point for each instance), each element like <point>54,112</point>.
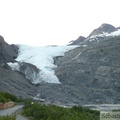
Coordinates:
<point>84,75</point>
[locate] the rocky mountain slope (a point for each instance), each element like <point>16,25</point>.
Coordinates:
<point>104,32</point>
<point>78,41</point>
<point>11,81</point>
<point>89,74</point>
<point>94,71</point>
<point>7,52</point>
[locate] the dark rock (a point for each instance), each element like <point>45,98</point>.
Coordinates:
<point>104,28</point>
<point>77,41</point>
<point>118,28</point>
<point>30,72</point>
<point>7,52</point>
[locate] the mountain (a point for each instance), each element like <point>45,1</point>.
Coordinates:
<point>7,52</point>
<point>104,28</point>
<point>86,74</point>
<point>36,63</point>
<point>78,41</point>
<point>12,81</point>
<point>94,71</point>
<point>104,32</point>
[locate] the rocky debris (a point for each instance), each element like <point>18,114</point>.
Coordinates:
<point>15,83</point>
<point>11,81</point>
<point>94,71</point>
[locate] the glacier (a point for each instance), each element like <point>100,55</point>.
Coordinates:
<point>43,59</point>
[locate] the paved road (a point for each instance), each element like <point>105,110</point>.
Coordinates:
<point>19,117</point>
<point>10,111</point>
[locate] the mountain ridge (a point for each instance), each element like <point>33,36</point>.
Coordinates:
<point>103,32</point>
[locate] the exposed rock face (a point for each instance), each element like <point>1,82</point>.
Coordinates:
<point>104,28</point>
<point>77,41</point>
<point>7,52</point>
<point>30,71</point>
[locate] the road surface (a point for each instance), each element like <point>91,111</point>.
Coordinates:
<point>10,111</point>
<point>19,117</point>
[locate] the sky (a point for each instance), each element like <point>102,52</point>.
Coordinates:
<point>54,22</point>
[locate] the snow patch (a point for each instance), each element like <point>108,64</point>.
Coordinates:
<point>115,33</point>
<point>14,66</point>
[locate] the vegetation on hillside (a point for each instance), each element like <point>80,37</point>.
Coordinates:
<point>37,111</point>
<point>8,117</point>
<point>6,97</point>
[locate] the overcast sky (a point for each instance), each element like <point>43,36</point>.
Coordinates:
<point>46,22</point>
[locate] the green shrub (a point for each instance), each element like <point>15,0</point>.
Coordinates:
<point>8,117</point>
<point>51,112</point>
<point>2,99</point>
<point>6,97</point>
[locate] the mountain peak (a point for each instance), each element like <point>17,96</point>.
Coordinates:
<point>7,52</point>
<point>104,28</point>
<point>79,40</point>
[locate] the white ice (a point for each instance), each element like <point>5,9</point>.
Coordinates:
<point>42,58</point>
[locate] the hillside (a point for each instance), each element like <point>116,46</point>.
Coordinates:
<point>11,81</point>
<point>94,71</point>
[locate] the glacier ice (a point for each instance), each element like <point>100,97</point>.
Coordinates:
<point>42,58</point>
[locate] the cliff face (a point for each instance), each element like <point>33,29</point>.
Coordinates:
<point>7,52</point>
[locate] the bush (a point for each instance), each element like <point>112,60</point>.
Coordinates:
<point>8,117</point>
<point>6,97</point>
<point>2,99</point>
<point>51,112</point>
